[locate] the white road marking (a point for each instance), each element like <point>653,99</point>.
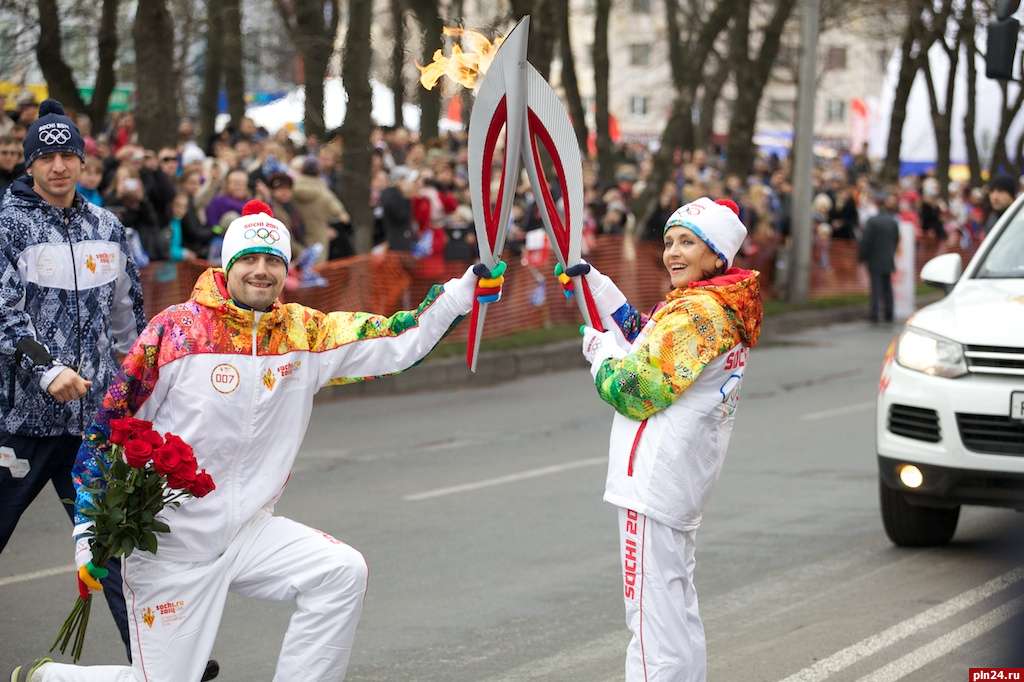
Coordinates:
<point>869,646</point>
<point>45,573</point>
<point>501,480</point>
<point>938,648</point>
<point>837,411</point>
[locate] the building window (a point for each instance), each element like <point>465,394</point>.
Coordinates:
<point>835,59</point>
<point>638,105</point>
<point>835,111</point>
<point>641,6</point>
<point>639,54</point>
<point>781,110</point>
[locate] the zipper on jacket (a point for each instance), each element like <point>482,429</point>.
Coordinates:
<point>66,214</point>
<point>636,444</point>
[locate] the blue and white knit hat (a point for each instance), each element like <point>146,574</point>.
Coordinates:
<point>51,133</point>
<point>255,231</point>
<point>716,223</point>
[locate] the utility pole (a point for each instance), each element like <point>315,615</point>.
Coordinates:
<point>801,229</point>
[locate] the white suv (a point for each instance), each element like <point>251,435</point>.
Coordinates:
<point>950,420</point>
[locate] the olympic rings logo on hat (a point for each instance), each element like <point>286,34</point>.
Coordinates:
<point>268,236</point>
<point>55,136</point>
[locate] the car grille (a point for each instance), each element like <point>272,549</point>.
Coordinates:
<point>995,360</point>
<point>994,434</point>
<point>915,422</point>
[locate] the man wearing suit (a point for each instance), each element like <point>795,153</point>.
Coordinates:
<point>877,251</point>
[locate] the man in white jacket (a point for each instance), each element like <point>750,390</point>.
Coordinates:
<point>233,372</point>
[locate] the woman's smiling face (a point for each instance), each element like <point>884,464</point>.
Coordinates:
<point>687,258</point>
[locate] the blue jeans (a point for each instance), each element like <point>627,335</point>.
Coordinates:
<point>36,461</point>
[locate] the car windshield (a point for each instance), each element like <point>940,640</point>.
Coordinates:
<point>1005,260</point>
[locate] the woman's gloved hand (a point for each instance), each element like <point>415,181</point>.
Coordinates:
<point>565,276</point>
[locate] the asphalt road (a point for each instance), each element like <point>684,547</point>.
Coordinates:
<point>492,556</point>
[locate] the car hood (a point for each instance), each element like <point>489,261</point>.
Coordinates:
<point>982,312</point>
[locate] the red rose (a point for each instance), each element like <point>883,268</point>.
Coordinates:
<point>137,453</point>
<point>166,459</point>
<point>135,426</point>
<point>154,439</point>
<point>185,472</point>
<point>181,482</point>
<point>203,485</point>
<point>119,436</point>
<point>178,444</point>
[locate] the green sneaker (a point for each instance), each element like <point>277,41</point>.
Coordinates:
<point>24,673</point>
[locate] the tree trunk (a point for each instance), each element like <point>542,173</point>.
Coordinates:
<point>430,100</point>
<point>1000,162</point>
<point>713,86</point>
<point>60,81</point>
<point>973,158</point>
<point>106,41</point>
<point>356,157</point>
<point>571,86</point>
<point>398,60</point>
<point>605,152</point>
<point>212,71</point>
<point>156,89</point>
<point>545,27</point>
<point>313,34</point>
<point>234,76</point>
<point>940,125</point>
<point>751,77</point>
<point>678,61</point>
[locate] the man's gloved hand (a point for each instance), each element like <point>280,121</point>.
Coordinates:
<point>489,282</point>
<point>565,276</point>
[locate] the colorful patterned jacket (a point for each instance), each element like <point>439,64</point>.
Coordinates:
<point>674,380</point>
<point>238,386</point>
<point>68,282</point>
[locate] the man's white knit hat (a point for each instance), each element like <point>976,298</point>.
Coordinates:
<point>716,223</point>
<point>255,231</point>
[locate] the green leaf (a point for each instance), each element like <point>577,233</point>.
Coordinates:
<point>161,527</point>
<point>148,542</point>
<point>126,545</point>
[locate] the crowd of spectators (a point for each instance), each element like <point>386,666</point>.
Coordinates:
<point>179,199</point>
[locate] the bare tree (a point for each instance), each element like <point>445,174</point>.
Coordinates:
<point>968,24</point>
<point>398,59</point>
<point>751,74</point>
<point>234,75</point>
<point>545,25</point>
<point>605,157</point>
<point>155,85</point>
<point>1008,109</point>
<point>942,118</point>
<point>571,85</point>
<point>213,70</point>
<point>429,18</point>
<point>313,26</point>
<point>924,26</point>
<point>711,93</point>
<point>356,157</point>
<point>60,80</point>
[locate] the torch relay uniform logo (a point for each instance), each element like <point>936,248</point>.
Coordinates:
<point>225,378</point>
<point>54,133</point>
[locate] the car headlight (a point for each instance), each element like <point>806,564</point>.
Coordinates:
<point>931,354</point>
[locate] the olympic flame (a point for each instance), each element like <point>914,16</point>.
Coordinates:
<point>465,67</point>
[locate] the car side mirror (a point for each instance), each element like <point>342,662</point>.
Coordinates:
<point>943,271</point>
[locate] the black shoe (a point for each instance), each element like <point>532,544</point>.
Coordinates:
<point>212,670</point>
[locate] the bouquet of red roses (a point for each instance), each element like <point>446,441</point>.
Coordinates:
<point>140,473</point>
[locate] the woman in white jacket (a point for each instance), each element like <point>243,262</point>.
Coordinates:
<point>674,379</point>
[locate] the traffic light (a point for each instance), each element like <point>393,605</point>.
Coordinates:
<point>1002,41</point>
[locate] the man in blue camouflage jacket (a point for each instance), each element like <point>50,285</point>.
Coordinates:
<point>70,307</point>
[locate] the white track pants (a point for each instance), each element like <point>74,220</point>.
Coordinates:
<point>174,609</point>
<point>661,602</point>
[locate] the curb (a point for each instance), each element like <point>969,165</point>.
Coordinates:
<point>496,367</point>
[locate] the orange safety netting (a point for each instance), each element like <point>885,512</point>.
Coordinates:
<point>532,297</point>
